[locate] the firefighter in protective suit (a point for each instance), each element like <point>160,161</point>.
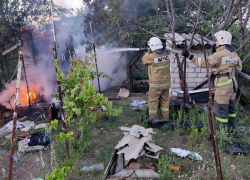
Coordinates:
<point>223,62</point>
<point>158,61</point>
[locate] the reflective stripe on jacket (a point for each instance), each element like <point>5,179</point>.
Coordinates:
<point>221,62</point>
<point>158,69</point>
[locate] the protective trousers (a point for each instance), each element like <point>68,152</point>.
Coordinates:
<point>224,105</point>
<point>158,96</point>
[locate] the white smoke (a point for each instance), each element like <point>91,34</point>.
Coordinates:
<point>107,63</point>
<point>43,75</point>
<point>69,4</point>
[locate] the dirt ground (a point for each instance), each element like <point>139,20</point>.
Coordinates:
<point>31,164</point>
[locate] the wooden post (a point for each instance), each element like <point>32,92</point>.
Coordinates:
<point>27,85</point>
<point>59,89</point>
<point>211,118</point>
<point>130,63</point>
<point>12,146</point>
<point>184,82</point>
<point>95,56</point>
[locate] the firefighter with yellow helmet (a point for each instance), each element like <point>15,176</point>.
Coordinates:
<point>223,62</point>
<point>158,61</point>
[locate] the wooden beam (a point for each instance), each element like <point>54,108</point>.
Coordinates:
<point>200,85</point>
<point>136,58</point>
<point>129,72</point>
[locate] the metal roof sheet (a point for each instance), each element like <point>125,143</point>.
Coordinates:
<point>180,39</point>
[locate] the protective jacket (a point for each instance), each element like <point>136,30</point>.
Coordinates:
<point>159,83</point>
<point>223,62</point>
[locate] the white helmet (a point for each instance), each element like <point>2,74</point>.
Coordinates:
<point>155,43</point>
<point>224,37</point>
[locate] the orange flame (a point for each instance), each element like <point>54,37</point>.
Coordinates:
<point>24,97</point>
<point>41,34</point>
<point>24,29</point>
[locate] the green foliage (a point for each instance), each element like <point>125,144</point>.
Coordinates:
<point>81,106</point>
<point>140,74</point>
<point>81,101</point>
<point>80,98</point>
<point>143,119</point>
<point>62,136</point>
<point>62,172</point>
<point>234,30</point>
<point>164,164</point>
<point>194,133</point>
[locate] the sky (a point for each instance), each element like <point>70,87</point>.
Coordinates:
<point>69,3</point>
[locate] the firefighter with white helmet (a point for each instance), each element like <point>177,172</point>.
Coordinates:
<point>158,61</point>
<point>223,62</point>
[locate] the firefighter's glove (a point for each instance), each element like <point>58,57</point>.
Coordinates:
<point>149,51</point>
<point>185,53</point>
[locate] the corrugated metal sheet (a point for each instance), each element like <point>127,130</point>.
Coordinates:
<point>180,39</point>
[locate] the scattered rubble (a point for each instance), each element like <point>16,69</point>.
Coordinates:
<point>135,145</point>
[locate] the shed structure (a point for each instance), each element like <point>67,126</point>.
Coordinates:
<point>194,74</point>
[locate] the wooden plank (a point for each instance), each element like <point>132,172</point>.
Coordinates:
<point>10,49</point>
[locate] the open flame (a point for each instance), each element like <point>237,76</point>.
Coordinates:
<point>24,97</point>
<point>40,35</point>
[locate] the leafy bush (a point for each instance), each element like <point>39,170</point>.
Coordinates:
<point>81,105</point>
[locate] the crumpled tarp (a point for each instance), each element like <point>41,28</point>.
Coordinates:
<point>167,124</point>
<point>186,153</point>
<point>19,125</point>
<point>178,103</point>
<point>23,146</point>
<point>137,103</point>
<point>235,147</point>
<point>23,126</point>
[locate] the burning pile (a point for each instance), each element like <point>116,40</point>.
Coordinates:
<point>25,97</point>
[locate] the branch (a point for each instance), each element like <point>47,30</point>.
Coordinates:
<point>229,9</point>
<point>247,16</point>
<point>169,15</point>
<point>201,10</point>
<point>149,32</point>
<point>230,15</point>
<point>242,45</point>
<point>174,20</point>
<point>247,56</point>
<point>195,26</point>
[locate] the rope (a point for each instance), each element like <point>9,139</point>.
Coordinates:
<point>10,78</point>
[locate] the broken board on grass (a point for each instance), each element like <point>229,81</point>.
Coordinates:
<point>136,143</point>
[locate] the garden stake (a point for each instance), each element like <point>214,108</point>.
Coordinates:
<point>12,146</point>
<point>59,86</point>
<point>184,85</point>
<point>95,54</point>
<point>211,118</point>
